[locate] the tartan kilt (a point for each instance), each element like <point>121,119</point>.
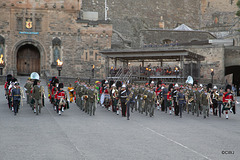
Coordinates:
<point>226,108</point>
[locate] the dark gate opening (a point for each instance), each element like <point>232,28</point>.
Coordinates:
<point>235,70</point>
<point>28,60</point>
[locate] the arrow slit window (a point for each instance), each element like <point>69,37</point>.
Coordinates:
<point>19,24</point>
<point>38,27</point>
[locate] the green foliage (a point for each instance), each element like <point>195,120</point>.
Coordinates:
<point>238,3</point>
<point>238,12</point>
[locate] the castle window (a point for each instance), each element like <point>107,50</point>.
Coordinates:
<point>86,56</point>
<point>231,2</point>
<point>19,24</point>
<point>91,53</point>
<point>38,26</point>
<point>96,55</point>
<point>56,46</point>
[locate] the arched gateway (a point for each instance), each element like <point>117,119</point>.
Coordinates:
<point>28,60</point>
<point>29,57</point>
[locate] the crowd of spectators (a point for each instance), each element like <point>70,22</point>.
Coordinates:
<point>148,71</point>
<point>159,71</point>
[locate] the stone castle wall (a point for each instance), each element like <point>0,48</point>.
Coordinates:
<point>130,16</point>
<point>218,15</point>
<point>80,41</point>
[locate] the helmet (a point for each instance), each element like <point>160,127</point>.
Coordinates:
<point>215,87</point>
<point>124,86</point>
<point>176,85</point>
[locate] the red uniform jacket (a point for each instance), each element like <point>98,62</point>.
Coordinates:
<point>5,86</point>
<point>54,91</point>
<point>227,96</point>
<point>169,95</point>
<point>59,95</point>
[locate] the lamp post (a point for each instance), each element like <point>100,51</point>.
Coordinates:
<point>59,67</point>
<point>212,74</point>
<point>149,72</point>
<point>177,72</point>
<point>1,65</point>
<point>111,72</point>
<point>93,67</point>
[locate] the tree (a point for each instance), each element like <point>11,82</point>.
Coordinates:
<point>238,12</point>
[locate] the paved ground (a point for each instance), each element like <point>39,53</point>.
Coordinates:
<point>106,136</point>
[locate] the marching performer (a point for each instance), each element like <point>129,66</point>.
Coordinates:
<point>129,101</point>
<point>7,84</point>
<point>71,93</point>
<point>158,92</point>
<point>17,95</point>
<point>10,88</point>
<point>38,92</point>
<point>220,102</point>
<point>106,92</point>
<point>191,99</point>
<point>123,96</point>
<point>145,100</point>
<point>27,88</point>
<point>169,98</point>
<point>198,94</point>
<point>152,97</point>
<point>165,94</point>
<point>54,92</point>
<point>114,95</point>
<point>206,102</point>
<point>141,96</point>
<point>175,104</point>
<point>181,100</point>
<point>215,95</point>
<point>228,100</point>
<point>61,99</point>
<point>92,98</point>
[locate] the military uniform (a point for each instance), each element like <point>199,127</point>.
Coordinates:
<point>129,101</point>
<point>141,100</point>
<point>135,94</point>
<point>198,94</point>
<point>169,101</point>
<point>123,97</point>
<point>191,99</point>
<point>175,104</point>
<point>220,103</point>
<point>37,98</point>
<point>61,98</point>
<point>228,102</point>
<point>205,103</point>
<point>181,100</point>
<point>28,87</point>
<point>164,93</point>
<point>145,101</point>
<point>91,100</point>
<point>16,96</point>
<point>151,102</point>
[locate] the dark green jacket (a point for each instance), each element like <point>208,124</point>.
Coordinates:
<point>36,92</point>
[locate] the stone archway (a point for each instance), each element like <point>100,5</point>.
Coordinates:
<point>28,60</point>
<point>33,47</point>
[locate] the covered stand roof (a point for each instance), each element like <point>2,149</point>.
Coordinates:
<point>164,54</point>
